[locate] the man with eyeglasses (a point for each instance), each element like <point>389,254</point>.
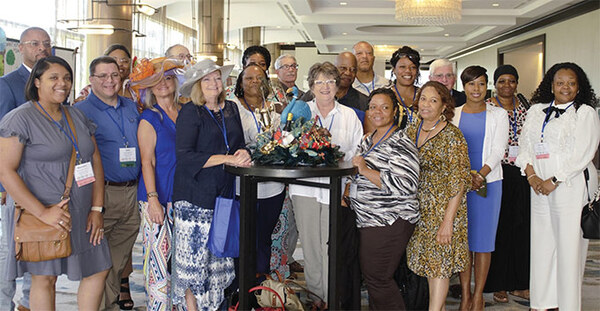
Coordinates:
<point>366,79</point>
<point>442,71</point>
<point>286,68</point>
<point>116,136</point>
<point>179,52</point>
<point>34,44</point>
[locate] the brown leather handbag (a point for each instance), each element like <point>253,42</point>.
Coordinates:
<point>36,240</point>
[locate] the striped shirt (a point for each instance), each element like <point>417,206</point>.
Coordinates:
<point>397,160</point>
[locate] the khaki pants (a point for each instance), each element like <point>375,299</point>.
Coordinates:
<point>121,227</point>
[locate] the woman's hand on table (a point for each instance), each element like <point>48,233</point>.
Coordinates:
<point>240,158</point>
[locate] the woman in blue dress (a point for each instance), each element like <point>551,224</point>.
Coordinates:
<point>485,128</point>
<point>156,138</point>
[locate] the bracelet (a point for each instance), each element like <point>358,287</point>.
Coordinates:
<point>152,194</point>
<point>530,176</point>
<point>480,175</point>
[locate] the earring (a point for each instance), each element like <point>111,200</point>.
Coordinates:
<point>443,117</point>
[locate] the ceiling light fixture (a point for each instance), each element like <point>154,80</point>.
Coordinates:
<point>344,33</point>
<point>495,4</point>
<point>343,3</point>
<point>94,29</point>
<point>428,12</point>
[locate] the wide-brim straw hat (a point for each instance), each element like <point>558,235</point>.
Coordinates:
<point>198,71</point>
<point>148,73</point>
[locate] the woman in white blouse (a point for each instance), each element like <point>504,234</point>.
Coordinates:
<point>559,139</point>
<point>251,95</point>
<point>311,205</point>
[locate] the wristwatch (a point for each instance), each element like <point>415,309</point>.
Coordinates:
<point>100,209</point>
<point>555,181</point>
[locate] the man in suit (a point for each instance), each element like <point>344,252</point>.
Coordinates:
<point>34,44</point>
<point>442,71</point>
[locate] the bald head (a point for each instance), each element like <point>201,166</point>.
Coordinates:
<point>34,44</point>
<point>365,56</point>
<point>179,52</point>
<point>346,65</point>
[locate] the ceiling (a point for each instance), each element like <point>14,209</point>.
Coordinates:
<point>335,25</point>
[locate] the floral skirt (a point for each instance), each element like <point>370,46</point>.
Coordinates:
<point>194,266</point>
<point>279,237</point>
<point>157,258</point>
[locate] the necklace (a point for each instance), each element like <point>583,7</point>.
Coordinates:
<point>431,129</point>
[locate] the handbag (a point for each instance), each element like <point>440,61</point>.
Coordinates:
<point>289,300</point>
<point>35,240</point>
<point>590,214</point>
<point>414,288</point>
<point>262,289</point>
<point>224,233</point>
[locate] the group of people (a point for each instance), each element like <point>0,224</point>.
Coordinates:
<point>452,180</point>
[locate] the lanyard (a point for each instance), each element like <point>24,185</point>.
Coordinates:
<point>408,110</point>
<point>223,129</point>
<point>419,132</point>
<point>512,124</point>
<point>71,136</point>
<point>330,124</point>
<point>377,144</point>
<point>121,128</point>
<point>547,119</point>
<point>253,116</point>
<point>366,87</point>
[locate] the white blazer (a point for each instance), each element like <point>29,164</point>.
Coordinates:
<point>495,140</point>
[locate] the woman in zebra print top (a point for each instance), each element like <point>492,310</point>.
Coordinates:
<point>384,196</point>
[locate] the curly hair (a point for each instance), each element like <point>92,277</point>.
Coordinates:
<point>445,96</point>
<point>256,49</point>
<point>585,96</point>
<point>389,93</point>
<point>413,56</point>
<point>239,87</point>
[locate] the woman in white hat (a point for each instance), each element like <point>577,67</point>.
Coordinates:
<point>209,134</point>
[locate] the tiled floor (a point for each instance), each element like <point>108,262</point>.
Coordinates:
<point>66,291</point>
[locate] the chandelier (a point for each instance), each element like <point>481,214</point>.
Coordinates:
<point>428,12</point>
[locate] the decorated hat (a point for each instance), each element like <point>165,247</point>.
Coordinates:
<point>198,71</point>
<point>149,72</point>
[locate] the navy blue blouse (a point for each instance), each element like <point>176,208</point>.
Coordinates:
<point>199,137</point>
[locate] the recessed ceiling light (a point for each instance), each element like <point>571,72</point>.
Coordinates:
<point>345,49</point>
<point>446,35</point>
<point>495,4</point>
<point>422,50</point>
<point>278,27</point>
<point>344,33</point>
<point>343,3</point>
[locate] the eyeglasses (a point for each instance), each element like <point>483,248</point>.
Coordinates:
<point>349,69</point>
<point>35,43</point>
<point>440,76</point>
<point>182,56</point>
<point>106,76</point>
<point>288,67</point>
<point>122,60</point>
<point>323,82</point>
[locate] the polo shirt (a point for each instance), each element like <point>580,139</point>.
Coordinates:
<point>117,127</point>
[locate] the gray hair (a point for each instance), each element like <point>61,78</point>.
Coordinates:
<point>280,58</point>
<point>441,62</point>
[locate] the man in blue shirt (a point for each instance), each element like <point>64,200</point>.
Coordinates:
<point>34,44</point>
<point>116,136</point>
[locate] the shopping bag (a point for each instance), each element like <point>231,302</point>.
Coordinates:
<point>224,233</point>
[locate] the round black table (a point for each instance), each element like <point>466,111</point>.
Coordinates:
<point>249,177</point>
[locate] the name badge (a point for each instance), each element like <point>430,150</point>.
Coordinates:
<point>84,174</point>
<point>127,157</point>
<point>513,151</point>
<point>542,151</point>
<point>353,190</point>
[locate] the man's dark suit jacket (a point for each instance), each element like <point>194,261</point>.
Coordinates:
<point>459,98</point>
<point>12,90</point>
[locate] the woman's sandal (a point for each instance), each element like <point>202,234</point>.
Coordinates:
<point>125,304</point>
<point>520,293</point>
<point>500,297</point>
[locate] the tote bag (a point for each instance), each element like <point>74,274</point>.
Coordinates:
<point>224,233</point>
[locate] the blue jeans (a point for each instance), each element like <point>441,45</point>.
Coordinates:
<point>8,288</point>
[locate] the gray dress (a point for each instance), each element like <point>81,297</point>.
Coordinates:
<point>43,168</point>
